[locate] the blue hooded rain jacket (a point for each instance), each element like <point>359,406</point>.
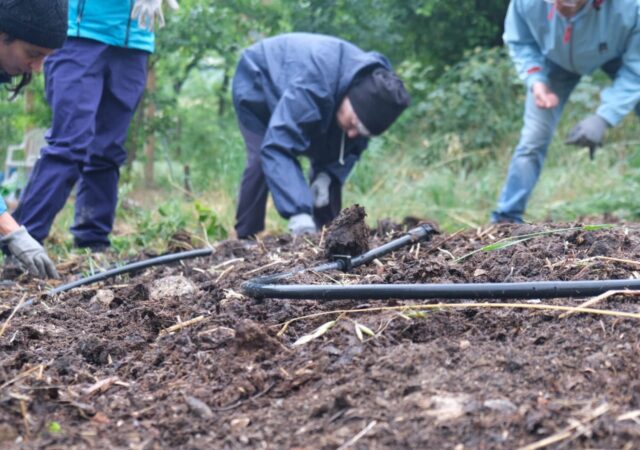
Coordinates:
<point>288,88</point>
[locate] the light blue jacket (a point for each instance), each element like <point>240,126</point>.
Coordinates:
<point>602,30</point>
<point>108,21</point>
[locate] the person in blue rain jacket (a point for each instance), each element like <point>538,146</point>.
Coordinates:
<point>317,96</point>
<point>553,43</point>
<point>93,85</point>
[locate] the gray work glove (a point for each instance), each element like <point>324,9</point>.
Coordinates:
<point>320,190</point>
<point>30,253</point>
<point>146,12</point>
<point>301,224</point>
<point>589,133</point>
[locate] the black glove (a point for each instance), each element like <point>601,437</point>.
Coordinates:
<point>589,132</point>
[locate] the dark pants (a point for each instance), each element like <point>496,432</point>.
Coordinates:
<point>93,90</point>
<point>252,199</point>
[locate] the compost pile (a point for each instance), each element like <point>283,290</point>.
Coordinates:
<point>177,357</point>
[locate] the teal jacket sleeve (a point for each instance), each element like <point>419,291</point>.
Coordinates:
<point>523,48</point>
<point>621,97</point>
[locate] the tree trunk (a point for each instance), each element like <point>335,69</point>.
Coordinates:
<point>222,96</point>
<point>150,142</point>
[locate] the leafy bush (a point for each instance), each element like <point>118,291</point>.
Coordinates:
<point>473,105</point>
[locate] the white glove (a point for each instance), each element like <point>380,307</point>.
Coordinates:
<point>146,12</point>
<point>320,190</point>
<point>301,224</point>
<point>30,253</point>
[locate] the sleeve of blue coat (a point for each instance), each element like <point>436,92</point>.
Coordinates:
<point>3,205</point>
<point>523,48</point>
<point>294,119</point>
<point>622,96</point>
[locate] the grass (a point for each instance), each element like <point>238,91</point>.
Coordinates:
<point>392,182</point>
<point>434,164</point>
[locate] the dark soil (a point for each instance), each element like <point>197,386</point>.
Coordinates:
<point>348,234</point>
<point>99,367</point>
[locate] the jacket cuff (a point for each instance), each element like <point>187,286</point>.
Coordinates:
<point>612,118</point>
<point>537,77</point>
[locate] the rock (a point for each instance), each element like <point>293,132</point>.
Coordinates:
<point>7,432</point>
<point>501,405</point>
<point>172,286</point>
<point>239,424</point>
<point>444,407</point>
<point>104,297</point>
<point>199,407</point>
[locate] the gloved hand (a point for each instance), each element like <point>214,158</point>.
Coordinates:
<point>147,11</point>
<point>320,190</point>
<point>301,224</point>
<point>588,132</point>
<point>30,253</point>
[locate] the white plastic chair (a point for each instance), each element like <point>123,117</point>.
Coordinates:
<point>25,154</point>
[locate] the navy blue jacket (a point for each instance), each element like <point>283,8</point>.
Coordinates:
<point>288,88</point>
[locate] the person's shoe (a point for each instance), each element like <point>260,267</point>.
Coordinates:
<point>93,247</point>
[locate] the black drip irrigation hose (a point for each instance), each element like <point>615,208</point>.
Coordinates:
<point>267,287</point>
<point>160,260</point>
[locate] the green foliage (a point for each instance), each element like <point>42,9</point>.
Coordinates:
<point>54,427</point>
<point>436,32</point>
<point>154,228</point>
<point>210,222</point>
<point>473,105</point>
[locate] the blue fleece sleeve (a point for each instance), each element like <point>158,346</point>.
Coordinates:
<point>296,117</point>
<point>623,95</point>
<point>3,205</point>
<point>523,48</point>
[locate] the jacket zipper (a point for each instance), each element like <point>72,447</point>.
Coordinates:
<point>81,4</point>
<point>126,36</point>
<point>568,39</point>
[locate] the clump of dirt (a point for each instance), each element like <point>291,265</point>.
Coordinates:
<point>251,337</point>
<point>348,234</point>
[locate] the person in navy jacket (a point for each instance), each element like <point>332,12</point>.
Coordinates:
<point>311,95</point>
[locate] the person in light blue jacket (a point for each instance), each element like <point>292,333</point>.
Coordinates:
<point>93,85</point>
<point>553,43</point>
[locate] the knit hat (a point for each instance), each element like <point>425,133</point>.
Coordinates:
<point>378,98</point>
<point>38,22</point>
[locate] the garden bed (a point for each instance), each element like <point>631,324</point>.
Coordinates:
<point>177,357</point>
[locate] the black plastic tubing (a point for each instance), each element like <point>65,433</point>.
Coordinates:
<point>164,259</point>
<point>266,287</point>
